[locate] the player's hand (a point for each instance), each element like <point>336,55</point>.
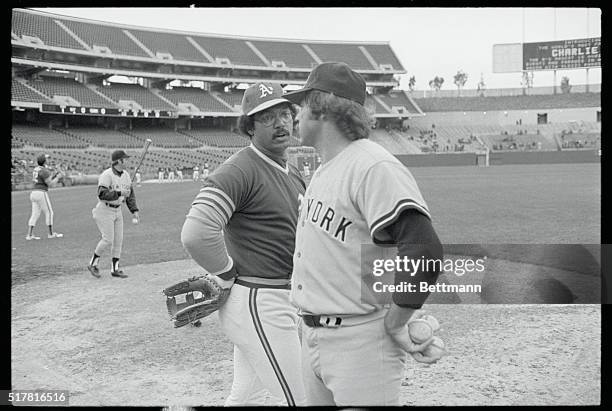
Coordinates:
<point>136,215</point>
<point>126,193</point>
<point>401,336</point>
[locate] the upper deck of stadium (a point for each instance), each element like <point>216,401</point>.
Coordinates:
<point>34,29</point>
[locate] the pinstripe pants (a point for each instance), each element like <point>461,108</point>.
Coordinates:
<point>262,324</point>
<point>40,202</point>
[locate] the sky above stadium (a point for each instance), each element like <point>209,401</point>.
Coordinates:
<point>429,42</point>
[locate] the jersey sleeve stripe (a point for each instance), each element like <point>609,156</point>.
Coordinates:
<point>215,205</point>
<point>222,194</point>
<point>393,214</point>
<point>220,200</point>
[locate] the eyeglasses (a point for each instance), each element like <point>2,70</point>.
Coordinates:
<point>267,118</point>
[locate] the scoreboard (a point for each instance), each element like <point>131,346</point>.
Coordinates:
<point>564,54</point>
<point>548,55</point>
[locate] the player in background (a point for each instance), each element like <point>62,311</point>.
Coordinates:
<point>306,169</point>
<point>160,174</point>
<point>241,228</point>
<point>196,173</point>
<point>179,173</point>
<point>360,199</point>
<point>171,175</point>
<point>205,171</point>
<point>138,179</point>
<point>39,197</point>
<point>114,188</point>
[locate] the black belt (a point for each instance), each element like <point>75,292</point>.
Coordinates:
<point>113,205</point>
<point>315,321</point>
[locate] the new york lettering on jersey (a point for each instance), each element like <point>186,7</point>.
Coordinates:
<point>329,221</point>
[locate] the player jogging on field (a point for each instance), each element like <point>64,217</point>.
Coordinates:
<point>253,199</point>
<point>40,198</point>
<point>114,188</point>
<point>360,198</point>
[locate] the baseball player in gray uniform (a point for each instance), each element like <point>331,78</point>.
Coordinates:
<point>40,198</point>
<point>114,188</point>
<point>241,230</point>
<point>353,351</point>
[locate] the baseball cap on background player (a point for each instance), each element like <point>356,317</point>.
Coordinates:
<point>42,159</point>
<point>118,155</point>
<point>261,96</point>
<point>332,77</point>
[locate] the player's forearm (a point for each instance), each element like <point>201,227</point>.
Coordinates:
<point>417,241</point>
<point>397,316</point>
<point>131,201</point>
<point>202,237</point>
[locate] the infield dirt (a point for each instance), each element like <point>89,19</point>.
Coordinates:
<point>109,341</point>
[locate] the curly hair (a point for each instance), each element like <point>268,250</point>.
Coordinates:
<point>351,118</point>
<point>246,124</point>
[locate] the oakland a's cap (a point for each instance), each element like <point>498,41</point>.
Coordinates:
<point>261,96</point>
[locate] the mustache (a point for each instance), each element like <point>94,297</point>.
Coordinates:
<point>282,131</point>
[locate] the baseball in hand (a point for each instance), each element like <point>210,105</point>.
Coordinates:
<point>134,220</point>
<point>420,331</point>
<point>435,325</point>
<point>435,349</point>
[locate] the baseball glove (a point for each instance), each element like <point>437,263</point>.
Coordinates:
<point>202,297</point>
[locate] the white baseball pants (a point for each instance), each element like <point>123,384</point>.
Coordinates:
<point>40,202</point>
<point>355,365</point>
<point>110,223</point>
<point>262,324</point>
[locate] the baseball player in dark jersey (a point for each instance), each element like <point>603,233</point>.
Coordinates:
<point>114,188</point>
<point>40,198</point>
<point>241,230</point>
<point>353,350</point>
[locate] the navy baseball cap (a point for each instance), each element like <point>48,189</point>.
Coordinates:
<point>41,159</point>
<point>118,155</point>
<point>333,77</point>
<point>261,96</point>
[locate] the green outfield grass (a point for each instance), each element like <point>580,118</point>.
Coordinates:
<point>552,203</point>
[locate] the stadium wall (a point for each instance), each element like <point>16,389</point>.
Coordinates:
<point>437,160</point>
<point>500,158</point>
<point>504,118</point>
<point>544,157</point>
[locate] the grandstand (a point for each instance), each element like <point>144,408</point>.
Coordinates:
<point>24,93</point>
<point>62,62</point>
<point>201,99</point>
<point>128,94</point>
<point>65,87</point>
<point>101,137</point>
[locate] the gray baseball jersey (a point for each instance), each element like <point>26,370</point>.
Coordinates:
<point>349,202</point>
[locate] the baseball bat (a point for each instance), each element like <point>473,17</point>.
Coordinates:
<point>142,156</point>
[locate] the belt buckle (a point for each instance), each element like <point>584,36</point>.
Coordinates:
<point>330,322</point>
